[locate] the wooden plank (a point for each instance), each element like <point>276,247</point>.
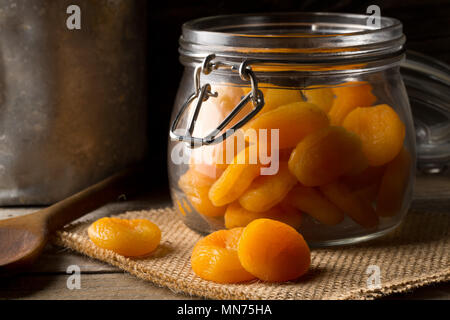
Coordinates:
<point>127,287</point>
<point>432,187</point>
<point>93,286</point>
<point>146,201</point>
<point>56,260</point>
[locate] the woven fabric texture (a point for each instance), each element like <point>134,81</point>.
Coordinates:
<point>414,255</point>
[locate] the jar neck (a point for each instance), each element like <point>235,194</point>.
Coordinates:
<point>304,42</point>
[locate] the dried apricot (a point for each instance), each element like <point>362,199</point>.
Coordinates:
<point>365,184</point>
<point>273,251</point>
<point>312,202</point>
<point>136,237</point>
<point>325,155</point>
<point>196,186</point>
<point>393,185</point>
<point>358,209</point>
<point>381,131</point>
<point>371,175</point>
<point>368,193</point>
<point>236,178</point>
<point>212,160</point>
<point>276,97</point>
<point>226,151</point>
<point>215,257</point>
<point>294,121</point>
<point>210,170</point>
<point>321,97</point>
<point>267,191</point>
<point>348,97</point>
<point>236,216</point>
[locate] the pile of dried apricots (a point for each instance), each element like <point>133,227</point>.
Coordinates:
<point>266,249</point>
<point>339,154</point>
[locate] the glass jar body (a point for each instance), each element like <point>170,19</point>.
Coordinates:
<point>345,149</point>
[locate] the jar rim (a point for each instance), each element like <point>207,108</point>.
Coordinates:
<point>311,37</point>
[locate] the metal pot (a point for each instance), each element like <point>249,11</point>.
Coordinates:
<point>72,102</point>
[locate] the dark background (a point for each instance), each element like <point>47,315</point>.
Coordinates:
<point>426,25</point>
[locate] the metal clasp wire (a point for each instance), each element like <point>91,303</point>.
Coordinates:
<point>203,93</point>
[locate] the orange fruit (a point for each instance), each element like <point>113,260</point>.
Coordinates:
<point>236,178</point>
<point>196,187</point>
<point>215,257</point>
<point>358,209</point>
<point>294,121</point>
<point>136,237</point>
<point>273,251</point>
<point>381,131</point>
<point>321,97</point>
<point>348,97</point>
<point>237,216</point>
<point>267,191</point>
<point>313,202</point>
<point>325,155</point>
<point>394,184</point>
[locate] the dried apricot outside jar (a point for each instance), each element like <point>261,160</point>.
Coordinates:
<point>299,117</point>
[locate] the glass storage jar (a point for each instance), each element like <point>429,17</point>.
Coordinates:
<point>299,117</point>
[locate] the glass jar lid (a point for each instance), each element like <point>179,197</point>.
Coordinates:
<point>427,82</point>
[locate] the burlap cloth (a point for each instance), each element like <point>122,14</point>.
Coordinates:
<point>414,255</point>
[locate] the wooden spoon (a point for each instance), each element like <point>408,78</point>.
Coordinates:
<point>23,238</point>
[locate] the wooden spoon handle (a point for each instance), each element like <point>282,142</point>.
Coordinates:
<point>93,197</point>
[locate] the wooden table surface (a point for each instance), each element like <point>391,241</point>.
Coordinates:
<point>47,279</point>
